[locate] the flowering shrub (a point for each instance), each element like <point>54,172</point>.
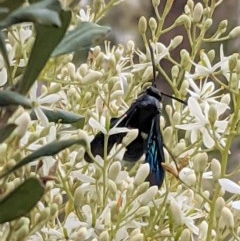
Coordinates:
<point>107,199</point>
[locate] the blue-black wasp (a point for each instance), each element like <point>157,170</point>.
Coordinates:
<point>144,115</point>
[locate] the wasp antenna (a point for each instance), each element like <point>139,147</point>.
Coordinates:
<point>175,98</point>
<point>153,64</point>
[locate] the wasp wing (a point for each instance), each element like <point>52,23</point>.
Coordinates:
<point>97,144</point>
<point>155,153</point>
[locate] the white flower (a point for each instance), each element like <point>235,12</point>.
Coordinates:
<point>205,68</point>
<point>85,16</point>
<point>231,187</point>
<point>200,123</point>
<point>41,101</point>
<point>101,127</point>
<point>205,92</point>
<point>69,228</point>
<point>160,51</point>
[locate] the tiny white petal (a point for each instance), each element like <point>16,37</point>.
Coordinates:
<point>94,124</point>
<point>41,116</point>
<point>49,99</point>
<point>229,185</point>
<point>236,204</point>
<point>3,76</point>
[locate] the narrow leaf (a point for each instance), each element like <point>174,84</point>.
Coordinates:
<point>47,150</point>
<point>8,97</point>
<point>44,12</point>
<point>47,38</point>
<point>21,200</point>
<point>10,5</point>
<point>82,37</point>
<point>6,131</point>
<point>62,116</point>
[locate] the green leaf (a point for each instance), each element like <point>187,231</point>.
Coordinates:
<point>47,38</point>
<point>8,97</point>
<point>6,131</point>
<point>45,12</point>
<point>21,200</point>
<point>9,5</point>
<point>47,150</point>
<point>81,38</point>
<point>61,116</point>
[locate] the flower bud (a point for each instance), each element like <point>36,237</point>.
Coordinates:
<point>99,59</point>
<point>112,187</point>
<point>179,148</point>
<point>228,217</point>
<point>148,195</point>
<point>211,55</point>
<point>91,77</point>
<point>234,82</point>
<point>176,118</point>
<point>176,213</point>
<point>169,111</point>
<point>197,12</point>
<point>141,188</point>
<point>184,58</point>
<point>130,189</point>
<point>175,71</point>
<point>216,168</point>
<point>176,42</point>
<point>20,222</point>
<point>137,237</point>
<point>220,203</point>
<point>212,114</point>
<point>130,137</point>
<point>22,232</point>
<point>142,25</point>
<point>142,212</point>
<point>119,53</point>
<point>208,23</point>
<point>188,176</point>
<point>200,162</point>
<point>153,24</point>
<point>148,73</point>
<point>232,62</point>
<point>83,69</point>
<point>203,228</point>
<point>155,3</point>
<point>114,170</point>
<point>223,24</point>
<point>71,70</point>
<point>142,173</point>
<point>130,46</point>
<point>82,234</point>
<point>190,4</point>
<point>116,94</point>
<point>198,201</point>
<point>185,235</point>
<point>184,88</point>
<point>104,236</point>
<point>183,19</point>
<point>235,32</point>
<point>44,214</point>
<point>22,123</point>
<point>167,134</point>
<point>3,149</point>
<point>53,209</point>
